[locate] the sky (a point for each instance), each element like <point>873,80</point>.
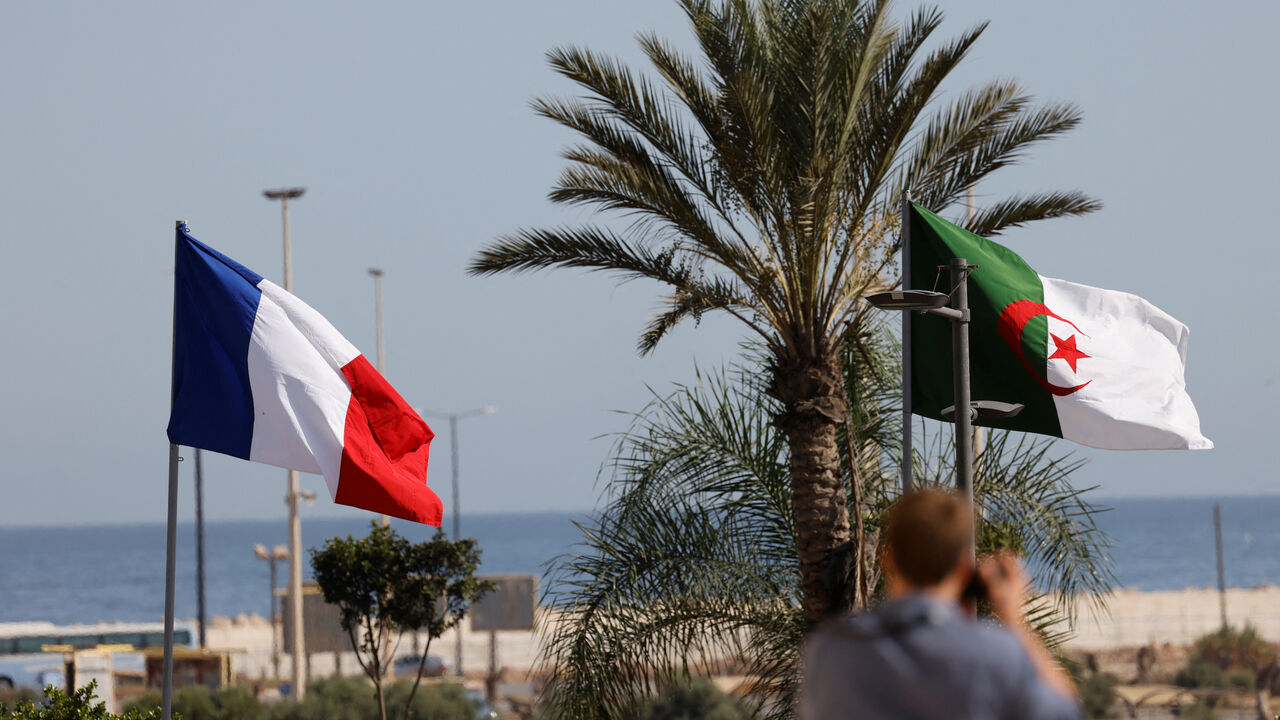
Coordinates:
<point>409,125</point>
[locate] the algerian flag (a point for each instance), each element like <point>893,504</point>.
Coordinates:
<point>1099,367</point>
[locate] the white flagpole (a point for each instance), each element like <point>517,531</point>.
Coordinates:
<point>171,539</point>
<point>908,484</point>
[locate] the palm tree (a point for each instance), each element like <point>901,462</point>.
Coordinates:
<point>690,567</point>
<point>762,179</point>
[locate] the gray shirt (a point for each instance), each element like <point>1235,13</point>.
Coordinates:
<point>914,658</point>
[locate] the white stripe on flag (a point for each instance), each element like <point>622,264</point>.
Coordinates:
<point>1136,397</point>
<point>300,397</point>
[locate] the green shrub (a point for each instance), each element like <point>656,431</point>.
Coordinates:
<point>79,705</point>
<point>1201,673</point>
<point>1203,709</point>
<point>1227,659</point>
<point>446,701</point>
<point>700,699</point>
<point>332,699</point>
<point>1097,694</point>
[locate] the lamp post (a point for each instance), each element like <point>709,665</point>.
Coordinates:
<point>279,552</point>
<point>382,357</point>
<point>954,307</point>
<point>284,195</point>
<point>457,508</point>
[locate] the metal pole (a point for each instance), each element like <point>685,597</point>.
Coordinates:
<point>171,530</point>
<point>960,365</point>
<point>382,356</point>
<point>200,599</point>
<point>295,524</point>
<point>288,252</point>
<point>1222,575</point>
<point>979,433</point>
<point>377,300</point>
<point>170,570</point>
<point>275,624</point>
<point>457,527</point>
<point>908,483</point>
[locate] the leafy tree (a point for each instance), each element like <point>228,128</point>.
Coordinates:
<point>384,585</point>
<point>763,177</point>
<point>79,705</point>
<point>690,567</point>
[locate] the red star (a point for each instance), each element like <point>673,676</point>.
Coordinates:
<point>1067,350</point>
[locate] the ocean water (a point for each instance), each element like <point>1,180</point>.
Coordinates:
<point>108,573</point>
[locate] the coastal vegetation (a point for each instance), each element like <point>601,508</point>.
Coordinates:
<point>761,176</point>
<point>327,699</point>
<point>690,567</point>
<point>81,704</point>
<point>384,585</point>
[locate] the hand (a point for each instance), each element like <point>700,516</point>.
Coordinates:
<point>1006,586</point>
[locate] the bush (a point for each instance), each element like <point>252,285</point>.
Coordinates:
<point>1227,659</point>
<point>1097,693</point>
<point>329,699</point>
<point>446,701</point>
<point>1203,709</point>
<point>79,705</point>
<point>700,699</point>
<point>332,699</point>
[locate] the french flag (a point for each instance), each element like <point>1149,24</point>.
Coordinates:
<point>259,375</point>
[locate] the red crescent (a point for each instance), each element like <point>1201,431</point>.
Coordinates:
<point>1011,323</point>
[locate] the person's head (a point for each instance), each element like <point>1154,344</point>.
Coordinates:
<point>926,542</point>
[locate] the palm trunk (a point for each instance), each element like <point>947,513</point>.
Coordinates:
<point>813,396</point>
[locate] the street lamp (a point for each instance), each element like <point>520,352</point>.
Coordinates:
<point>284,195</point>
<point>457,511</point>
<point>382,358</point>
<point>279,552</point>
<point>936,303</point>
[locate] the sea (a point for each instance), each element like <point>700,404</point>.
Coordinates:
<point>88,574</point>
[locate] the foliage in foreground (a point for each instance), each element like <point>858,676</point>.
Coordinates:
<point>693,557</point>
<point>384,585</point>
<point>328,699</point>
<point>79,705</point>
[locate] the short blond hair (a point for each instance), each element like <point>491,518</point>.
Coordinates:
<point>928,532</point>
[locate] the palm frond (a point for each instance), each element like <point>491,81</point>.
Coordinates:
<point>1022,209</point>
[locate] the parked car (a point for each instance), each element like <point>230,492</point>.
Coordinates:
<point>407,666</point>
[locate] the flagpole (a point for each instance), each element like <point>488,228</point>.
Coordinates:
<point>908,484</point>
<point>171,538</point>
<point>170,567</point>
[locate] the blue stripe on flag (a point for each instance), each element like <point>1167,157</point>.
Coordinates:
<point>215,302</point>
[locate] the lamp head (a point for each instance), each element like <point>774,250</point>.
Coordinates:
<point>909,300</point>
<point>284,193</point>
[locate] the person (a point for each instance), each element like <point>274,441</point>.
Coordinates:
<point>922,654</point>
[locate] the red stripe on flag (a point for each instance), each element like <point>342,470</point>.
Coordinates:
<point>385,450</point>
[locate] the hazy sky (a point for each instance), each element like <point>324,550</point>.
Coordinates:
<point>409,125</point>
